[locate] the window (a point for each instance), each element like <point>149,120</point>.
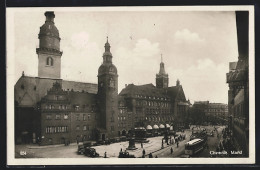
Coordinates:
<point>112,128</point>
<point>84,117</point>
<point>56,97</point>
<point>76,107</point>
<point>84,127</point>
<point>66,116</point>
<point>88,116</point>
<point>48,117</point>
<point>57,116</point>
<point>60,107</point>
<point>63,107</point>
<point>77,127</point>
<point>77,117</point>
<point>49,61</point>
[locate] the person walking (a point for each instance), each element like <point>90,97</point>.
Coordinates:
<point>171,150</point>
<point>143,152</point>
<point>150,155</point>
<point>141,145</point>
<point>105,155</point>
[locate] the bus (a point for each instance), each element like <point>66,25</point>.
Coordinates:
<point>194,146</point>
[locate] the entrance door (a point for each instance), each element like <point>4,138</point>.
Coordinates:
<point>103,137</point>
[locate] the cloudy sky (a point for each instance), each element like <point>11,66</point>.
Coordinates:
<point>196,47</point>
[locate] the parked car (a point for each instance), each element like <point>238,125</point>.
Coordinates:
<point>125,155</point>
<point>81,149</point>
<point>91,152</point>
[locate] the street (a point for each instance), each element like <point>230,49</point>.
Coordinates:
<point>153,146</point>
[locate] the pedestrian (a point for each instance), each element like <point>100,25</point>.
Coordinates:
<point>150,155</point>
<point>121,150</point>
<point>105,155</point>
<point>143,156</point>
<point>171,150</point>
<point>141,145</point>
<point>143,152</point>
<point>156,156</point>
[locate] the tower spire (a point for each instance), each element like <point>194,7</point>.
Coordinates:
<point>161,58</point>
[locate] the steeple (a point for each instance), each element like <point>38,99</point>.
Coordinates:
<point>162,79</point>
<point>162,70</point>
<point>107,46</point>
<point>49,53</point>
<point>107,56</point>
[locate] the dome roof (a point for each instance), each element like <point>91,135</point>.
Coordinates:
<point>49,29</point>
<point>107,68</point>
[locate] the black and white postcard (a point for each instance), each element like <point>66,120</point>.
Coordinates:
<point>130,85</point>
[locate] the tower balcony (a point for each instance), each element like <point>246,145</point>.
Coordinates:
<point>48,51</point>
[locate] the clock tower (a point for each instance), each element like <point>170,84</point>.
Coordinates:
<point>162,79</point>
<point>108,94</point>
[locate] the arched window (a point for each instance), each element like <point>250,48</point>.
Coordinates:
<point>49,61</point>
<point>112,82</point>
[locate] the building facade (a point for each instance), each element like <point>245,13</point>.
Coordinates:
<point>238,93</point>
<point>50,110</point>
<point>204,112</point>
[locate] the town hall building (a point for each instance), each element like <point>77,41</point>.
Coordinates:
<point>50,110</point>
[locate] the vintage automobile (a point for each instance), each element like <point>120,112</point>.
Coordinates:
<point>125,155</point>
<point>91,152</point>
<point>81,149</point>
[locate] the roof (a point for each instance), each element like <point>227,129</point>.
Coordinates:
<point>79,98</point>
<point>30,90</point>
<point>149,90</point>
<point>146,90</point>
<point>194,141</point>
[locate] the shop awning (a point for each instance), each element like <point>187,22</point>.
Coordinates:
<point>148,127</point>
<point>161,126</point>
<point>155,127</point>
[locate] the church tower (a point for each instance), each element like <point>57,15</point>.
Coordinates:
<point>49,54</point>
<point>162,79</point>
<point>108,94</point>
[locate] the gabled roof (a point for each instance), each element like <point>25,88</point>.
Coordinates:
<point>37,88</point>
<point>147,90</point>
<point>150,90</point>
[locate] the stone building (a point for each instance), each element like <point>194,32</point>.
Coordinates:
<point>238,93</point>
<point>217,113</point>
<point>204,112</point>
<point>50,110</point>
<point>156,106</point>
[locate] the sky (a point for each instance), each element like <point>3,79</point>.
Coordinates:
<point>196,47</point>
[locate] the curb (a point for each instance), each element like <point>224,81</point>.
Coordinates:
<point>48,146</point>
